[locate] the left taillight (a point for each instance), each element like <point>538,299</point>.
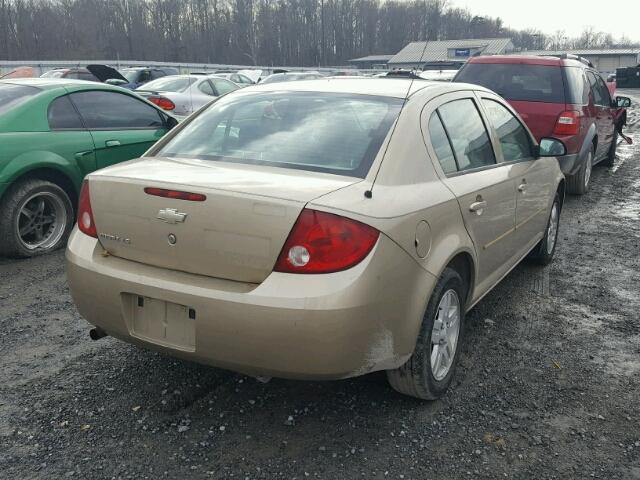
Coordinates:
<point>163,102</point>
<point>86,223</point>
<point>322,242</point>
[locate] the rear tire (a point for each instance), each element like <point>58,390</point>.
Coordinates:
<point>36,217</point>
<point>431,368</point>
<point>611,156</point>
<point>543,253</point>
<point>578,184</point>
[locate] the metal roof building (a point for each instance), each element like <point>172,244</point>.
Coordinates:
<point>605,60</point>
<point>452,53</point>
<point>371,61</point>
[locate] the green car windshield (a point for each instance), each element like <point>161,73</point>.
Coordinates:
<point>323,132</point>
<point>12,95</point>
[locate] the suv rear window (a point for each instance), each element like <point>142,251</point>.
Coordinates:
<point>321,132</point>
<point>529,83</point>
<point>13,95</point>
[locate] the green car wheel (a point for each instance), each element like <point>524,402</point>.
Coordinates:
<point>36,217</point>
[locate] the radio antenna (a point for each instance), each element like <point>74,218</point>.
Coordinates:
<point>369,193</point>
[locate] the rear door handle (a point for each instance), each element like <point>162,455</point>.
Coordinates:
<point>112,143</point>
<point>477,207</point>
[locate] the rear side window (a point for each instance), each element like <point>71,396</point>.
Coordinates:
<point>223,86</point>
<point>62,115</point>
<point>115,111</point>
<point>441,144</point>
<point>469,138</point>
<point>13,95</point>
<point>513,138</point>
<point>577,88</point>
<point>600,91</point>
<point>529,83</point>
<point>206,88</point>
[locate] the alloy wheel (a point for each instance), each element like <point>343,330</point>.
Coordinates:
<point>444,335</point>
<point>41,221</point>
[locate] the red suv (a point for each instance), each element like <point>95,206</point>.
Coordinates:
<point>561,97</point>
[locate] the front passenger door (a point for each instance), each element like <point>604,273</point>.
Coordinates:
<point>122,126</point>
<point>485,190</point>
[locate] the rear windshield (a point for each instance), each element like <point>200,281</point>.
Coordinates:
<point>530,83</point>
<point>13,95</point>
<point>168,84</point>
<point>333,133</point>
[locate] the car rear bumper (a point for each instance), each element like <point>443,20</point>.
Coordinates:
<point>293,326</point>
<point>570,164</point>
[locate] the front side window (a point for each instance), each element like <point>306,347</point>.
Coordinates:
<point>513,138</point>
<point>468,135</point>
<point>115,111</point>
<point>332,133</point>
<point>441,144</point>
<point>62,115</point>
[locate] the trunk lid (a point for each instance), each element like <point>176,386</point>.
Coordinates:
<point>236,233</point>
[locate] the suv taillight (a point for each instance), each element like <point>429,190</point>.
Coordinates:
<point>322,242</point>
<point>568,123</point>
<point>85,214</point>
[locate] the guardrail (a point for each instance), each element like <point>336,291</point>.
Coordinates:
<point>42,66</point>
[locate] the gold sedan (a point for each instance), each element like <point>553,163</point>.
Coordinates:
<point>318,230</point>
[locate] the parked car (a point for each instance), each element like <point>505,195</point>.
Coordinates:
<point>137,76</point>
<point>238,78</point>
<point>184,94</point>
<point>286,231</point>
<point>20,72</point>
<point>564,98</point>
<point>71,73</point>
<point>438,75</point>
<point>53,132</point>
<point>291,77</point>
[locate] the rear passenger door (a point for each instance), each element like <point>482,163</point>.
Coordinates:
<point>122,126</point>
<point>485,190</point>
<point>534,177</point>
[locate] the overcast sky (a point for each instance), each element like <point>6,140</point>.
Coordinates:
<point>615,17</point>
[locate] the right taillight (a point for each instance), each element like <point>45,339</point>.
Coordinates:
<point>568,123</point>
<point>322,242</point>
<point>85,214</point>
<point>163,102</point>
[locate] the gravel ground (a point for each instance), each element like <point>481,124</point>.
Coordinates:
<point>548,385</point>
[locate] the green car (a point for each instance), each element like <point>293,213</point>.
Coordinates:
<point>52,133</point>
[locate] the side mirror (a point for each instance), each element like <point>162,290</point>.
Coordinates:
<point>623,102</point>
<point>551,147</point>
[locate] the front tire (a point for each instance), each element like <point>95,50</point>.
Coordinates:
<point>544,251</point>
<point>431,368</point>
<point>36,217</point>
<point>578,184</point>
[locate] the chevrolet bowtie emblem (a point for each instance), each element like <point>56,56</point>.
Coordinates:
<point>171,215</point>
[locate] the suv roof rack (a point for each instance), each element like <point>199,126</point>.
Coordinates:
<point>576,57</point>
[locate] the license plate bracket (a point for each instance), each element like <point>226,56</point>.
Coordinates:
<point>161,322</point>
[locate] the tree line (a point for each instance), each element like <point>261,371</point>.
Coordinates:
<point>247,32</point>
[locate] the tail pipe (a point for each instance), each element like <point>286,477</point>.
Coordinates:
<point>97,333</point>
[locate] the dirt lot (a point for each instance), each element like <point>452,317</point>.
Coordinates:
<point>549,384</point>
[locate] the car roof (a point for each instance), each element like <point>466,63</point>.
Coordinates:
<point>527,60</point>
<point>386,87</point>
<point>52,83</point>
